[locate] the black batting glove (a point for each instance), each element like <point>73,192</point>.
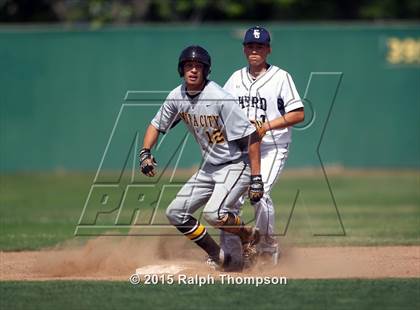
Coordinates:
<point>147,163</point>
<point>256,188</point>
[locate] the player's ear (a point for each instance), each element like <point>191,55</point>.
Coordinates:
<point>269,49</point>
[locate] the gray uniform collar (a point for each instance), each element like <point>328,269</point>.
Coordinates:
<point>195,97</point>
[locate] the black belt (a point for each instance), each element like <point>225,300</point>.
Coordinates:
<point>228,162</point>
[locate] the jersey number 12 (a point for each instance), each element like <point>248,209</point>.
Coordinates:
<point>215,137</point>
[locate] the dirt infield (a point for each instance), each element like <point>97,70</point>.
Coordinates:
<point>109,259</point>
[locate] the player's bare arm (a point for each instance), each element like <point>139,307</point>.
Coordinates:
<point>150,137</point>
<point>287,120</point>
<point>254,153</point>
<point>256,187</point>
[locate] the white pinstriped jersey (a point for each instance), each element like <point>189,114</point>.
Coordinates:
<point>268,97</point>
<point>213,119</point>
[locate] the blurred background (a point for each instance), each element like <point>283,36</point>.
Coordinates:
<point>66,66</point>
<point>102,12</point>
<point>70,72</point>
<point>78,82</point>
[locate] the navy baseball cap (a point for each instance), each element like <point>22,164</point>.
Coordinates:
<point>257,34</point>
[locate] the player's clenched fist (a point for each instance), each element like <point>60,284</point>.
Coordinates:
<point>259,126</point>
<point>147,163</point>
<point>256,188</point>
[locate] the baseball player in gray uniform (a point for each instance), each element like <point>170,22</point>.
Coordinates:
<point>230,148</point>
<point>268,97</point>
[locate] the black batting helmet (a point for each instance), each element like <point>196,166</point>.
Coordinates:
<point>194,52</point>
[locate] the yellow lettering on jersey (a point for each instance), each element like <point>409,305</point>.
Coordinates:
<point>216,119</point>
<point>209,118</point>
<point>190,119</point>
<point>218,136</point>
<point>203,121</point>
<point>183,116</point>
<point>195,120</point>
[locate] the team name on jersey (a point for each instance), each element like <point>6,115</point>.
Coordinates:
<point>252,101</point>
<point>210,121</point>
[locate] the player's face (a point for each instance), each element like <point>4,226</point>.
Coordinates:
<point>193,73</point>
<point>256,53</point>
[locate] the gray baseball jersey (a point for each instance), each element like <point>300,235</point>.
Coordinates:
<point>212,117</point>
<point>266,98</point>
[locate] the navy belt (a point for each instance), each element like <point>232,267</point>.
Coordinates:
<point>228,162</point>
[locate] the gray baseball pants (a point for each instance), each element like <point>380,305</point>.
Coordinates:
<point>217,188</point>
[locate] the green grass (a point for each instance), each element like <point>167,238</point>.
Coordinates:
<point>297,294</point>
<point>39,210</point>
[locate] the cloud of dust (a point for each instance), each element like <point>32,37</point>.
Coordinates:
<point>114,256</point>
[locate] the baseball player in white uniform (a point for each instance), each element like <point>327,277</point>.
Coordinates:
<point>230,148</point>
<point>268,97</point>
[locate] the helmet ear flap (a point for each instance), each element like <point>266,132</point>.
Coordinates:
<point>207,71</point>
<point>181,69</point>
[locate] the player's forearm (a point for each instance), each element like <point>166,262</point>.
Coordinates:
<point>254,154</point>
<point>287,120</point>
<point>150,137</point>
